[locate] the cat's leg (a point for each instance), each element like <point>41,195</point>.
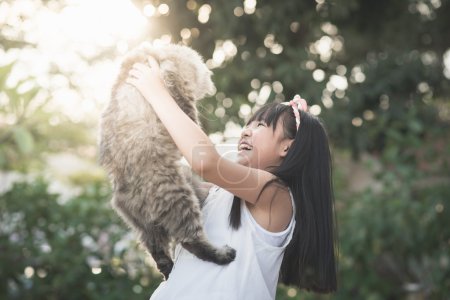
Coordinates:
<point>154,238</point>
<point>157,241</point>
<point>183,221</point>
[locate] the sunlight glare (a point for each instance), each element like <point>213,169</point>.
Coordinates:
<point>203,13</point>
<point>249,6</point>
<point>340,82</point>
<point>318,75</point>
<point>85,26</point>
<point>65,39</point>
<point>163,9</point>
<point>86,21</point>
<point>245,110</point>
<point>264,94</point>
<point>447,64</point>
<point>315,109</point>
<point>149,10</point>
<point>324,45</point>
<point>29,272</point>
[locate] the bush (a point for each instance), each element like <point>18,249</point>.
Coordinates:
<point>75,249</point>
<point>394,239</point>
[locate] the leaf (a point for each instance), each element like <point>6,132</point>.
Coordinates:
<point>14,98</point>
<point>4,73</point>
<point>2,158</point>
<point>23,139</point>
<point>415,126</point>
<point>27,98</point>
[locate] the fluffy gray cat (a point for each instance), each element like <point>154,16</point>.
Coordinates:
<point>151,191</point>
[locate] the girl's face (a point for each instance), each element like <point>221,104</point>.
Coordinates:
<point>260,147</point>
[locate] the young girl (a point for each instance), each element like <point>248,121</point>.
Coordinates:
<point>274,205</point>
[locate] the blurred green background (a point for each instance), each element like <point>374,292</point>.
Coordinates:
<point>376,72</point>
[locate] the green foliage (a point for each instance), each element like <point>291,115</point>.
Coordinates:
<point>394,106</point>
<point>26,130</point>
<point>399,234</point>
<point>51,248</point>
<point>397,46</point>
<point>393,238</point>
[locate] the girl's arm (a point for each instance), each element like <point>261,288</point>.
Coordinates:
<point>194,144</point>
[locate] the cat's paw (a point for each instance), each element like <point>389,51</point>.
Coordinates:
<point>165,269</point>
<point>226,255</point>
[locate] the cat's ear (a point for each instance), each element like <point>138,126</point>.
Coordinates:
<point>167,66</point>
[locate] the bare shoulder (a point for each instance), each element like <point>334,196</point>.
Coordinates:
<point>268,200</point>
<point>273,210</point>
<point>242,181</point>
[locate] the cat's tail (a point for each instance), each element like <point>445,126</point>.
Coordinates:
<point>204,250</point>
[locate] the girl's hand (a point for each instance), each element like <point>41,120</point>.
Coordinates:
<point>147,79</point>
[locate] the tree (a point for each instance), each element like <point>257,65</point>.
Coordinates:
<point>365,64</point>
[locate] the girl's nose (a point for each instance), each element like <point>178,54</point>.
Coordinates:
<point>246,132</point>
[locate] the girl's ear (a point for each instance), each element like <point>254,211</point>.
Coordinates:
<point>285,146</point>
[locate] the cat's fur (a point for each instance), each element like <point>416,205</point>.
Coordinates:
<point>150,190</point>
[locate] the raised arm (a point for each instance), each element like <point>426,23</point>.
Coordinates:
<point>194,144</point>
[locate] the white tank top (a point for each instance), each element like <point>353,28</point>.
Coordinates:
<point>253,275</point>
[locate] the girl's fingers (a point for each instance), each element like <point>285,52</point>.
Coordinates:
<point>135,73</point>
<point>153,63</point>
<point>131,81</point>
<point>140,67</point>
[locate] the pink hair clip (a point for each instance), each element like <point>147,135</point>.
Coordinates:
<point>298,103</point>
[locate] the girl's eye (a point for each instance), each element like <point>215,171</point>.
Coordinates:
<point>260,123</point>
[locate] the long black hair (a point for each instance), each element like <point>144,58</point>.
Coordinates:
<point>309,260</point>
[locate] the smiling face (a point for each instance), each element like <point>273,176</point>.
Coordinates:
<point>263,145</point>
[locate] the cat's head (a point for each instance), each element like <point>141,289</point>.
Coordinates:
<point>183,69</point>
